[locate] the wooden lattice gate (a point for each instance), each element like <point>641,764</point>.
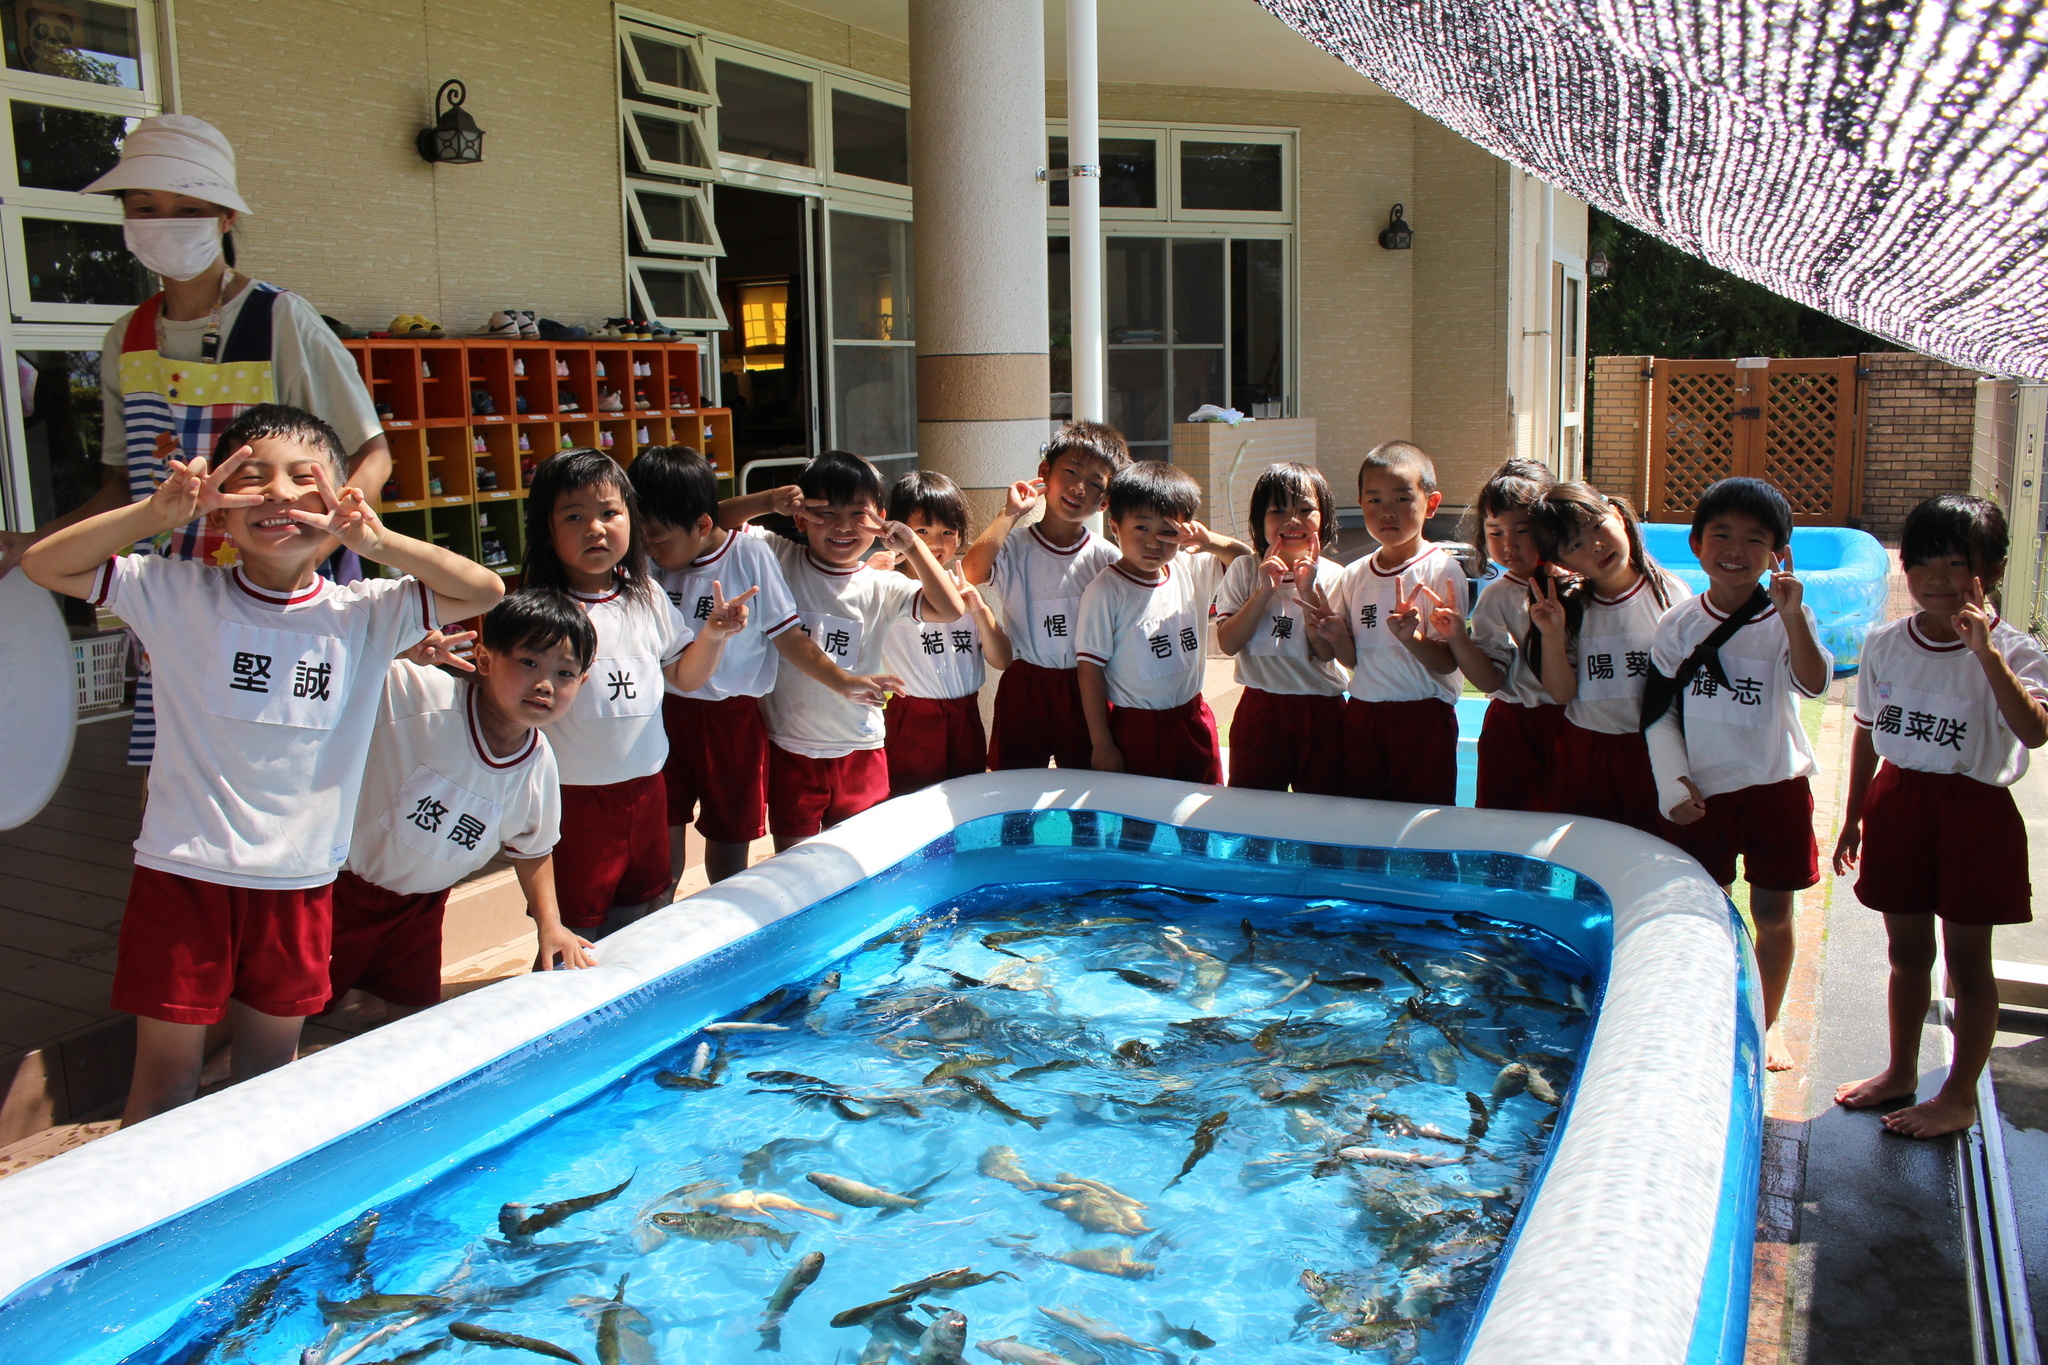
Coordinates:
<point>1793,422</point>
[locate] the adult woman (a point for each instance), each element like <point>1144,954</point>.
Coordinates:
<point>179,367</point>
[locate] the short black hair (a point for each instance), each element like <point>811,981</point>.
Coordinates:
<point>934,495</point>
<point>1154,486</point>
<point>540,618</point>
<point>562,474</point>
<point>282,422</point>
<point>676,486</point>
<point>1288,481</point>
<point>1400,455</point>
<point>1760,502</point>
<point>1093,441</point>
<point>1954,524</point>
<point>841,477</point>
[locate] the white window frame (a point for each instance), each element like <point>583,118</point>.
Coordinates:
<point>865,207</point>
<point>688,42</point>
<point>708,281</point>
<point>1167,139</point>
<point>700,204</point>
<point>31,196</point>
<point>1161,184</point>
<point>880,94</point>
<point>814,174</point>
<point>17,509</point>
<point>1283,139</point>
<point>702,123</point>
<point>141,103</point>
<point>1566,270</point>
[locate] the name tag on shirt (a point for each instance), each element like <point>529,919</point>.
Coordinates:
<point>837,636</point>
<point>951,652</point>
<point>1615,666</point>
<point>1055,620</point>
<point>1283,632</point>
<point>1925,727</point>
<point>622,686</point>
<point>442,820</point>
<point>276,677</point>
<point>1369,627</point>
<point>1169,644</point>
<point>694,601</point>
<point>1745,701</point>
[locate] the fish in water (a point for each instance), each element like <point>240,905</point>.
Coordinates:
<point>854,1317</point>
<point>1512,1080</point>
<point>357,1246</point>
<point>800,1277</point>
<point>1136,1052</point>
<point>1388,1154</point>
<point>950,1281</point>
<point>1095,1329</point>
<point>945,1341</point>
<point>1000,1163</point>
<point>995,1103</point>
<point>510,1341</point>
<point>258,1299</point>
<point>864,1196</point>
<point>1204,1141</point>
<point>1209,972</point>
<point>1116,1261</point>
<point>760,1164</point>
<point>1139,979</point>
<point>742,1026</point>
<point>622,1332</point>
<point>415,1355</point>
<point>520,1226</point>
<point>1097,1207</point>
<point>1251,944</point>
<point>1406,972</point>
<point>960,1066</point>
<point>1366,1336</point>
<point>1187,1336</point>
<point>494,1295</point>
<point>1480,1119</point>
<point>370,1307</point>
<point>789,1078</point>
<point>1026,1073</point>
<point>1014,1352</point>
<point>1352,983</point>
<point>764,1202</point>
<point>716,1227</point>
<point>676,1080</point>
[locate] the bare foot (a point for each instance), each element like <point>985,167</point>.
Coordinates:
<point>1933,1118</point>
<point>1882,1088</point>
<point>1777,1057</point>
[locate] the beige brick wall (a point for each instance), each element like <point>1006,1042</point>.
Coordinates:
<point>1618,402</point>
<point>1919,422</point>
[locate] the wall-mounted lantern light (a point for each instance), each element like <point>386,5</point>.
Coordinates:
<point>454,140</point>
<point>1397,235</point>
<point>1597,265</point>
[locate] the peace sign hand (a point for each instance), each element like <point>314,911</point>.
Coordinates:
<point>789,501</point>
<point>1024,495</point>
<point>1323,619</point>
<point>1446,622</point>
<point>440,647</point>
<point>192,489</point>
<point>1406,620</point>
<point>1973,622</point>
<point>1786,591</point>
<point>349,518</point>
<point>727,618</point>
<point>1546,609</point>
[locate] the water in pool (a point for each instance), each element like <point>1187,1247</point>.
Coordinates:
<point>1043,1123</point>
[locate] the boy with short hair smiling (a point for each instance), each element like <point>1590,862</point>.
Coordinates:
<point>267,684</point>
<point>458,769</point>
<point>1401,722</point>
<point>825,759</point>
<point>1731,757</point>
<point>1951,698</point>
<point>1038,573</point>
<point>1144,629</point>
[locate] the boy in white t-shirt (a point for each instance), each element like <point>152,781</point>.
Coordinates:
<point>1144,631</point>
<point>1037,573</point>
<point>717,738</point>
<point>458,770</point>
<point>1731,757</point>
<point>825,759</point>
<point>1951,698</point>
<point>267,683</point>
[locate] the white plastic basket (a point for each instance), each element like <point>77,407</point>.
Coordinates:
<point>101,665</point>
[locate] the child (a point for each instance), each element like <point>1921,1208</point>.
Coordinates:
<point>1731,757</point>
<point>1401,723</point>
<point>1516,742</point>
<point>717,740</point>
<point>825,759</point>
<point>1951,698</point>
<point>1038,573</point>
<point>1143,627</point>
<point>1289,727</point>
<point>267,683</point>
<point>934,723</point>
<point>457,770</point>
<point>584,537</point>
<point>1595,651</point>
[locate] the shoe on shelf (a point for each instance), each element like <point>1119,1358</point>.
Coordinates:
<point>642,437</point>
<point>494,554</point>
<point>604,440</point>
<point>501,326</point>
<point>486,478</point>
<point>550,330</point>
<point>567,444</point>
<point>640,400</point>
<point>608,400</point>
<point>561,369</point>
<point>600,371</point>
<point>391,491</point>
<point>340,328</point>
<point>526,468</point>
<point>426,371</point>
<point>566,400</point>
<point>519,367</point>
<point>529,329</point>
<point>519,404</point>
<point>477,447</point>
<point>481,404</point>
<point>384,412</point>
<point>524,443</point>
<point>434,487</point>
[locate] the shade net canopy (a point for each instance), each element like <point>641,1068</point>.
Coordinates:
<point>1880,160</point>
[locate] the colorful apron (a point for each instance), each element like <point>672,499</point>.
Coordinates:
<point>179,408</point>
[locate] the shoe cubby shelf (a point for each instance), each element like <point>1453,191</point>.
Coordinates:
<point>481,451</point>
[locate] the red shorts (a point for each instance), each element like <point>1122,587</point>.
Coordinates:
<point>1944,843</point>
<point>717,766</point>
<point>932,739</point>
<point>1039,719</point>
<point>1288,739</point>
<point>613,849</point>
<point>188,947</point>
<point>1517,754</point>
<point>806,795</point>
<point>385,943</point>
<point>1401,751</point>
<point>1606,777</point>
<point>1177,743</point>
<point>1770,825</point>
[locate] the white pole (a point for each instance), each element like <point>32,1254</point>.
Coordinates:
<point>1547,359</point>
<point>1084,199</point>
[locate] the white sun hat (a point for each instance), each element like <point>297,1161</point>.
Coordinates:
<point>178,154</point>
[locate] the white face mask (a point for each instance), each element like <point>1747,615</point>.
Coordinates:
<point>175,248</point>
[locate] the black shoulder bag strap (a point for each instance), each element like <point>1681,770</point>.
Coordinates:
<point>1662,694</point>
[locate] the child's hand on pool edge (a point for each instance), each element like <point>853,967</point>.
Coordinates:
<point>557,941</point>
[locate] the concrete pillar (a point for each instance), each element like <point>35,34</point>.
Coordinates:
<point>977,139</point>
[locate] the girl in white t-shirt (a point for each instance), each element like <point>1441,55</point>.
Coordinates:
<point>934,724</point>
<point>583,537</point>
<point>1596,637</point>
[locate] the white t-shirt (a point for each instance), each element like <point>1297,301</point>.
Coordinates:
<point>436,803</point>
<point>311,367</point>
<point>1500,622</point>
<point>935,661</point>
<point>747,667</point>
<point>1039,585</point>
<point>1150,638</point>
<point>264,706</point>
<point>1276,657</point>
<point>848,613</point>
<point>1929,707</point>
<point>613,730</point>
<point>1368,595</point>
<point>1612,656</point>
<point>1743,735</point>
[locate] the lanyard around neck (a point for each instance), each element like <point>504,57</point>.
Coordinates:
<point>209,344</point>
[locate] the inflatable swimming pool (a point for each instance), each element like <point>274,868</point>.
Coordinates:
<point>1845,574</point>
<point>1636,1198</point>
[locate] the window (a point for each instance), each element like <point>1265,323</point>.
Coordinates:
<point>672,220</point>
<point>874,353</point>
<point>91,43</point>
<point>870,138</point>
<point>669,123</point>
<point>1230,177</point>
<point>763,115</point>
<point>1130,172</point>
<point>64,149</point>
